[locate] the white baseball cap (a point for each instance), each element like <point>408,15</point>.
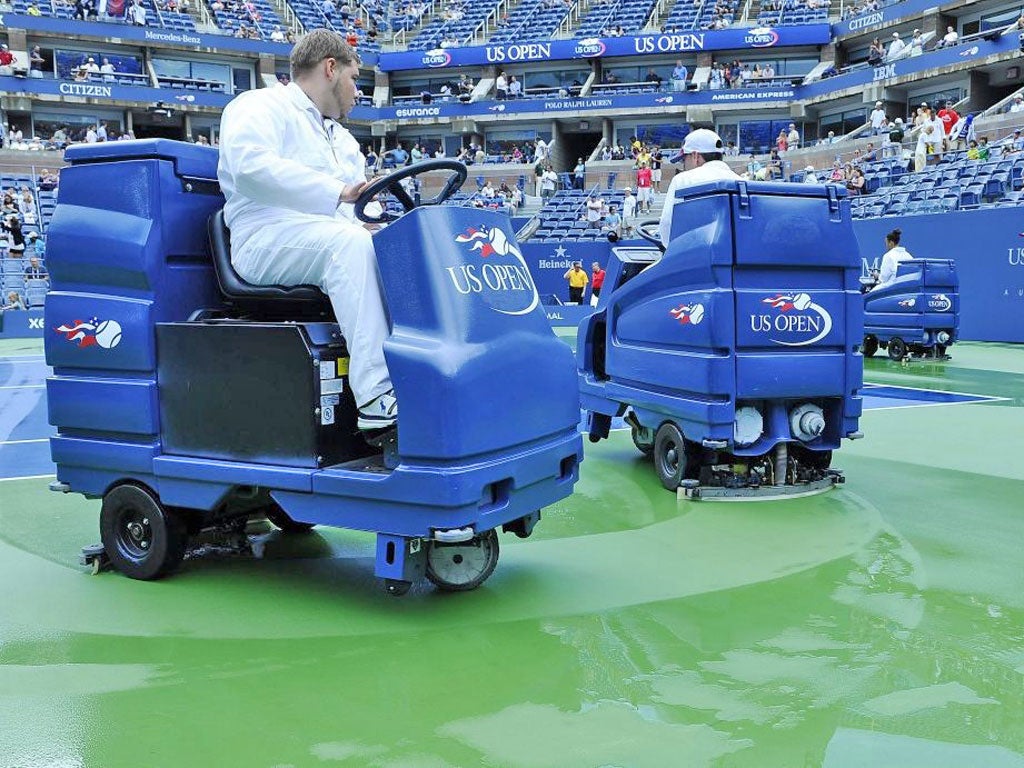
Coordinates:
<point>809,168</point>
<point>701,140</point>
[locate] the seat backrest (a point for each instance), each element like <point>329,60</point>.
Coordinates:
<point>263,301</point>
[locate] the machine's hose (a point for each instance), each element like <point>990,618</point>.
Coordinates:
<point>781,460</point>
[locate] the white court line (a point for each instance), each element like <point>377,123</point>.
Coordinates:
<point>23,442</point>
<point>26,477</point>
<point>26,386</point>
<point>22,359</point>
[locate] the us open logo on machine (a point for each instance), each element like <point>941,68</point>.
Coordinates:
<point>940,302</point>
<point>688,314</point>
<point>503,280</point>
<point>808,324</point>
<point>907,303</point>
<point>105,334</point>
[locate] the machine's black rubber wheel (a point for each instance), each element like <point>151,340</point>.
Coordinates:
<point>670,455</point>
<point>463,566</point>
<point>142,538</point>
<point>897,348</point>
<point>280,518</point>
<point>870,346</point>
<point>645,446</point>
<point>940,351</point>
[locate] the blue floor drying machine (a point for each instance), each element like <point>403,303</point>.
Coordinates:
<point>734,355</point>
<point>916,315</point>
<point>190,401</point>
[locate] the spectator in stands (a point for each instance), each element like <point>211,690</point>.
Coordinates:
<point>855,184</point>
<point>876,119</point>
<point>949,39</point>
<point>644,188</point>
<point>774,166</point>
<point>809,176</point>
<point>579,174</point>
<point>107,71</point>
<point>277,36</point>
<point>594,208</point>
<point>829,139</point>
<point>781,141</point>
<point>541,149</point>
<point>7,60</point>
<point>137,14</point>
<point>929,140</point>
<point>9,207</point>
<point>416,154</point>
<point>876,53</point>
<point>34,271</point>
<point>14,302</point>
<point>399,155</point>
<point>793,137</point>
<point>916,45</point>
<point>1018,141</point>
<point>48,180</point>
<point>91,137</point>
<point>548,182</point>
<point>628,210</point>
<point>465,85</point>
<point>36,62</point>
<point>501,86</point>
<point>701,156</point>
<point>577,282</point>
<point>755,171</point>
<point>653,77</point>
<point>679,76</point>
<point>972,150</point>
<point>33,10</point>
<point>983,149</point>
<point>895,139</point>
<point>1018,104</point>
<point>896,48</point>
<point>656,160</point>
<point>949,118</point>
<point>515,88</point>
<point>613,224</point>
<point>16,238</point>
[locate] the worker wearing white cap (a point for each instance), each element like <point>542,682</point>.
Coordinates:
<point>896,47</point>
<point>701,157</point>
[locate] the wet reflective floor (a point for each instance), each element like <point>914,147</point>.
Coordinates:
<point>881,624</point>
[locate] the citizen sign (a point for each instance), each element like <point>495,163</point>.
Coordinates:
<point>81,89</point>
<point>867,21</point>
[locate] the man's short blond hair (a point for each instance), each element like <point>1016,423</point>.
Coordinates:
<point>318,45</point>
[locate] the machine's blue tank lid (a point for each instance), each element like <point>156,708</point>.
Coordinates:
<point>740,186</point>
<point>195,160</point>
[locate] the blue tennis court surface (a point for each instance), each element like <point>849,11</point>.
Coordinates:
<point>24,431</point>
<point>878,397</point>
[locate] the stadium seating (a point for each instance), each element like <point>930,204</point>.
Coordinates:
<point>533,20</point>
<point>461,31</point>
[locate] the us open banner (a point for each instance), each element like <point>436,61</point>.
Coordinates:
<point>604,47</point>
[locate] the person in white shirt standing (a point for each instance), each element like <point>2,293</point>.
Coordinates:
<point>877,119</point>
<point>290,173</point>
<point>896,47</point>
<point>701,157</point>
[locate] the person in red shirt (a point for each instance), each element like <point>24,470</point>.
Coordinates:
<point>596,281</point>
<point>949,118</point>
<point>6,57</point>
<point>644,192</point>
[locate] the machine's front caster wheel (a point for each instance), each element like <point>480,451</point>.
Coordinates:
<point>280,518</point>
<point>396,587</point>
<point>463,566</point>
<point>897,349</point>
<point>670,455</point>
<point>870,346</point>
<point>642,439</point>
<point>142,538</point>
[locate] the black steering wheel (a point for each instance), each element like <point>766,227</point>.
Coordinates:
<point>649,231</point>
<point>458,176</point>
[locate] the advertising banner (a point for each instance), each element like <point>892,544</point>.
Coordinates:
<point>607,47</point>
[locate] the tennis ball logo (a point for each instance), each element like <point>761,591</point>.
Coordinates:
<point>108,334</point>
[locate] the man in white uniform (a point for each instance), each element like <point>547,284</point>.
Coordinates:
<point>289,173</point>
<point>701,156</point>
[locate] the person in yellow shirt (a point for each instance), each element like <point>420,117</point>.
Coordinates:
<point>577,282</point>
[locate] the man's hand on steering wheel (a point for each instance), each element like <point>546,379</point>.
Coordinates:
<point>391,183</point>
<point>351,192</point>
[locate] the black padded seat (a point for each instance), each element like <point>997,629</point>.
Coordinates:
<point>261,301</point>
